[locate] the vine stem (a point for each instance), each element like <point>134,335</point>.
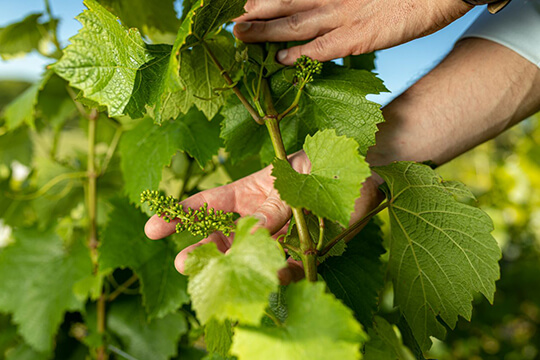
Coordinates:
<point>308,251</point>
<point>254,113</point>
<point>92,215</point>
<point>120,289</point>
<point>54,35</point>
<point>354,228</point>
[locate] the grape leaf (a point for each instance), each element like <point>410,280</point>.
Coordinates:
<point>212,15</point>
<point>317,324</point>
<point>360,62</point>
<point>16,145</point>
<point>37,275</point>
<point>442,252</point>
<point>218,337</point>
<point>20,38</point>
<point>337,174</point>
<point>54,105</point>
<point>203,83</point>
<point>331,230</point>
<point>242,136</point>
<point>23,108</point>
<point>235,286</point>
<point>151,147</point>
<point>336,99</point>
<point>357,276</point>
<point>384,344</point>
<point>104,58</point>
<point>173,71</point>
<point>153,21</point>
<point>125,245</point>
<point>25,352</point>
<point>142,339</point>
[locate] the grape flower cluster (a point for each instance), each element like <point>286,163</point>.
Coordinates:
<point>306,67</point>
<point>203,221</point>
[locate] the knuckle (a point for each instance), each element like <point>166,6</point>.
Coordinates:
<point>286,2</point>
<point>293,22</point>
<point>320,46</point>
<point>274,204</point>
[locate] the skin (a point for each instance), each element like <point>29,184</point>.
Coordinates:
<point>338,28</point>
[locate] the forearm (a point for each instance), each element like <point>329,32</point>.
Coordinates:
<point>481,89</point>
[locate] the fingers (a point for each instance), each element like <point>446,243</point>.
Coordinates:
<point>220,240</point>
<point>272,9</point>
<point>298,26</point>
<point>330,46</point>
<point>292,273</point>
<point>273,214</point>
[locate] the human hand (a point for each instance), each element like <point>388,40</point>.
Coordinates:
<point>343,27</point>
<point>255,195</point>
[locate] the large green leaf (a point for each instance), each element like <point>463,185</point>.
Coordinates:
<point>37,275</point>
<point>104,58</point>
<point>153,21</point>
<point>333,185</point>
<point>318,325</point>
<point>357,276</point>
<point>125,245</point>
<point>20,38</point>
<point>442,252</point>
<point>242,136</point>
<point>384,343</point>
<point>235,286</point>
<point>143,339</point>
<point>214,14</point>
<point>149,147</point>
<point>334,100</point>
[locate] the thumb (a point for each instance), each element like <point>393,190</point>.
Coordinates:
<point>273,214</point>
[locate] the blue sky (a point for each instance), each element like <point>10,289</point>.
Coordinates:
<point>399,67</point>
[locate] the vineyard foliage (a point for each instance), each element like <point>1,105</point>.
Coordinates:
<point>141,99</point>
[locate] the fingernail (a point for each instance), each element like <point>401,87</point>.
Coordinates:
<point>261,218</point>
<point>282,55</point>
<point>243,26</point>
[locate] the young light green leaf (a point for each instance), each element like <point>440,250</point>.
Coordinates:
<point>357,276</point>
<point>317,325</point>
<point>37,275</point>
<point>157,339</point>
<point>151,147</point>
<point>20,38</point>
<point>125,245</point>
<point>336,99</point>
<point>337,174</point>
<point>384,343</point>
<point>442,252</point>
<point>235,286</point>
<point>331,230</point>
<point>104,58</point>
